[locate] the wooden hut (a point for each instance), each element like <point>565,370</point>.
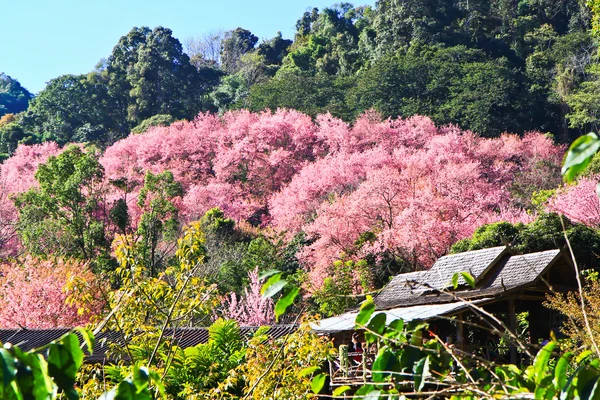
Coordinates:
<point>506,284</point>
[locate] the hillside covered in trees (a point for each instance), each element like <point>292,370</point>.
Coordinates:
<point>490,67</point>
<point>165,186</point>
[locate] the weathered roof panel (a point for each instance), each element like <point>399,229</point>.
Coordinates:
<point>495,270</point>
<point>522,269</point>
<point>345,322</point>
<point>476,262</point>
<point>403,286</point>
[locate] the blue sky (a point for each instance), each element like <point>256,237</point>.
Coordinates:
<point>42,39</point>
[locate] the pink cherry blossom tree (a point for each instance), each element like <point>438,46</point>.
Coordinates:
<point>579,202</point>
<point>17,176</point>
<point>35,293</point>
<point>250,309</point>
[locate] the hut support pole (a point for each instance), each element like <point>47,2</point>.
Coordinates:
<point>512,324</point>
<point>460,332</point>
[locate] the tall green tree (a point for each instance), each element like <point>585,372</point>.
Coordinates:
<point>76,108</point>
<point>149,74</point>
<point>65,215</point>
<point>236,43</point>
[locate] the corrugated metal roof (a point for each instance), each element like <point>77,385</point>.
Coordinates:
<point>345,322</point>
<point>28,339</point>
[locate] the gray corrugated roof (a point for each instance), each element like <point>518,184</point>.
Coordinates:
<point>346,322</point>
<point>28,339</point>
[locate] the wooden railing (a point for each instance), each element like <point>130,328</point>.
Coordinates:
<point>351,367</point>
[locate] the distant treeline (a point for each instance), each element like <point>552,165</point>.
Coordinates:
<point>487,66</point>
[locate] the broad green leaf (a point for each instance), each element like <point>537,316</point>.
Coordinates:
<point>567,390</point>
<point>126,391</point>
<point>9,368</point>
<point>317,383</point>
<point>16,390</point>
<point>560,371</point>
<point>422,373</point>
<point>587,379</point>
<point>363,391</point>
<point>385,362</point>
<point>582,356</point>
<point>140,378</point>
<point>455,280</point>
<point>468,278</point>
<point>377,323</point>
<point>340,390</point>
<point>273,279</point>
<point>64,360</point>
<point>36,383</point>
<point>88,338</point>
<point>275,288</point>
<point>595,393</point>
<point>579,155</point>
<point>267,274</point>
<point>366,310</point>
<point>397,325</point>
<point>540,363</point>
<point>375,328</point>
<point>307,371</point>
<point>285,301</point>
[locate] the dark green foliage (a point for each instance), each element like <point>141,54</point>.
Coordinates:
<point>451,85</point>
<point>491,235</point>
<point>14,98</point>
<point>488,67</point>
<point>13,133</point>
<point>205,366</point>
<point>338,291</point>
<point>155,120</point>
<point>232,253</point>
<point>545,233</point>
<point>148,74</point>
<point>311,95</point>
<point>273,51</point>
<point>593,168</point>
<point>75,108</point>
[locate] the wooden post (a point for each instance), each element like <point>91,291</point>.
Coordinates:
<point>343,354</point>
<point>512,325</point>
<point>460,332</point>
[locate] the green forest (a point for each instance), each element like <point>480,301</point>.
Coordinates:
<point>190,218</point>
